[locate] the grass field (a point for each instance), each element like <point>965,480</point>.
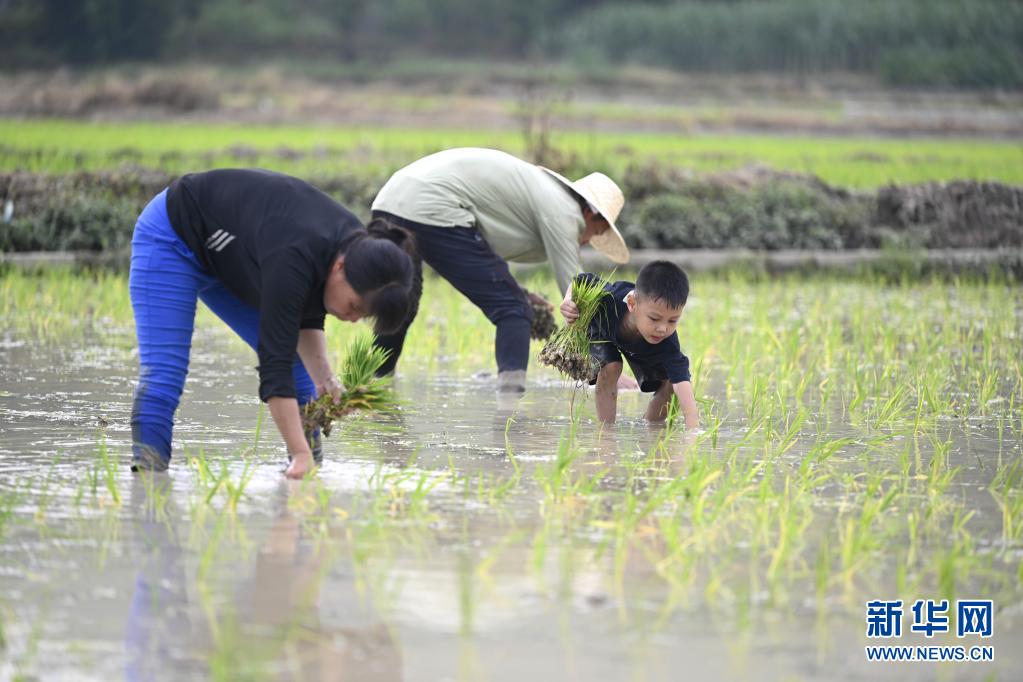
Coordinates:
<point>64,146</point>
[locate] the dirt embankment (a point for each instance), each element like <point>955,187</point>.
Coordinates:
<point>752,208</point>
<point>496,99</point>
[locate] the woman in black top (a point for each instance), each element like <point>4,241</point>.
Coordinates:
<point>270,255</point>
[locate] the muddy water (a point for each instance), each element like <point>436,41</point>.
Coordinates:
<point>106,576</point>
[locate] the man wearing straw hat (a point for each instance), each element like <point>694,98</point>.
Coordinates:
<point>473,210</point>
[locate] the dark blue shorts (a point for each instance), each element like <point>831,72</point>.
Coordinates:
<point>650,377</point>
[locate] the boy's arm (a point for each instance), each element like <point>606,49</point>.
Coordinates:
<point>687,401</point>
<point>606,391</point>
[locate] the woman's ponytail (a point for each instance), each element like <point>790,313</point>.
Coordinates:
<point>382,228</point>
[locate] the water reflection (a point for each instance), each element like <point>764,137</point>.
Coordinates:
<point>159,631</point>
<point>274,626</point>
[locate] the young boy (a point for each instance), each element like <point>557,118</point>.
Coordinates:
<point>639,322</point>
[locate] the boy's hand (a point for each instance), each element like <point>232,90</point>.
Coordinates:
<point>569,310</point>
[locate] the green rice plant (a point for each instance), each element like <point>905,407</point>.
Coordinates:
<point>987,389</point>
<point>234,490</point>
<point>1007,490</point>
<point>258,431</point>
<point>157,494</point>
<point>404,495</point>
<point>313,502</point>
<point>211,481</point>
<point>860,536</point>
<point>234,654</point>
<point>108,470</point>
<point>565,487</point>
<point>954,562</point>
<point>939,474</point>
<point>363,389</point>
<point>213,546</point>
<point>9,500</point>
<point>892,409</point>
<point>568,349</point>
<point>24,662</point>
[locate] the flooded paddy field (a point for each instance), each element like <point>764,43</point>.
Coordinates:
<point>862,441</point>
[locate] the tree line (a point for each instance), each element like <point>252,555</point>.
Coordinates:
<point>959,43</point>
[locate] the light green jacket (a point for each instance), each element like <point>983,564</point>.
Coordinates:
<point>524,214</point>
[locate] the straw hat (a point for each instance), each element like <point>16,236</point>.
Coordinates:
<point>604,197</point>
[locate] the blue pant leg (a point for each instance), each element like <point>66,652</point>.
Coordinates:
<point>461,256</point>
<point>163,283</point>
<point>244,320</point>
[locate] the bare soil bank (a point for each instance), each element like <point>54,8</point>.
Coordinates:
<point>497,97</point>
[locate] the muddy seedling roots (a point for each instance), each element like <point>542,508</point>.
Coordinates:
<point>364,390</point>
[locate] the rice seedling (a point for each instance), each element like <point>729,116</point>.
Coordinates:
<point>568,349</point>
<point>363,390</point>
<point>543,324</point>
<point>235,490</point>
<point>9,500</point>
<point>207,480</point>
<point>1007,490</point>
<point>157,495</point>
<point>108,469</point>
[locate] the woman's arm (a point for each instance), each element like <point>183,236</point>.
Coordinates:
<point>289,422</point>
<point>286,283</point>
<point>312,349</point>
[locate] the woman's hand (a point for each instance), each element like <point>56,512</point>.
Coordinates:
<point>301,464</point>
<point>330,385</point>
<point>285,415</point>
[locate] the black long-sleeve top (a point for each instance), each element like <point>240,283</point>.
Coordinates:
<point>271,240</point>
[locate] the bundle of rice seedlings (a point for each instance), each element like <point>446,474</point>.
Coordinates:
<point>568,350</point>
<point>364,390</point>
<point>544,323</point>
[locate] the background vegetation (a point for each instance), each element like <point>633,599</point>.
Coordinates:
<point>969,43</point>
<point>79,186</point>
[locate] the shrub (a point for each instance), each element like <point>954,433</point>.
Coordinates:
<point>776,215</point>
<point>753,208</point>
<point>73,222</point>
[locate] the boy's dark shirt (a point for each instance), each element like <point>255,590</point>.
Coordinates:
<point>271,240</point>
<point>605,327</point>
